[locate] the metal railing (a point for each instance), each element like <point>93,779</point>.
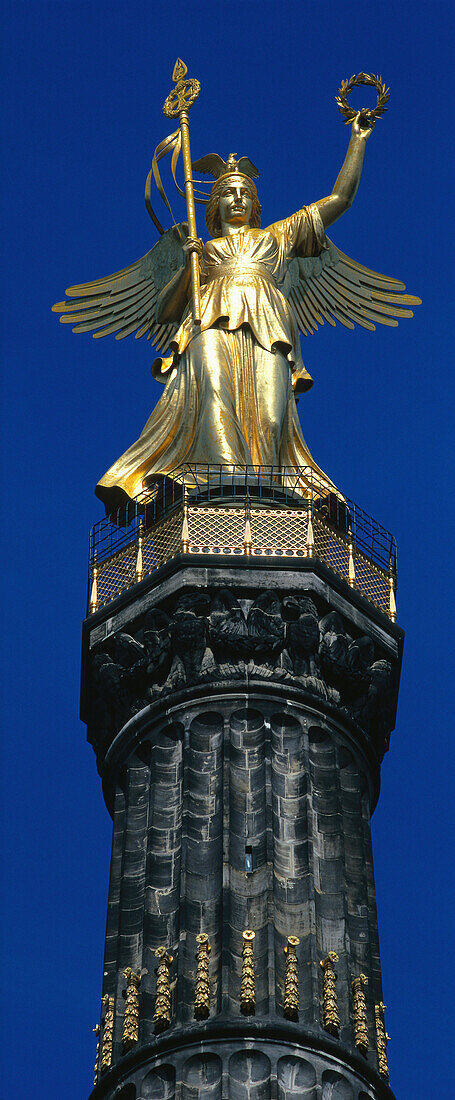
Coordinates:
<point>241,511</point>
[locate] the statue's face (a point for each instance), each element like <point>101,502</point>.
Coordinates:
<point>235,202</point>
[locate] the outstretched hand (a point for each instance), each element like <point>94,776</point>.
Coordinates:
<point>363,125</point>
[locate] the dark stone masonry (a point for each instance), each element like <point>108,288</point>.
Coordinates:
<point>239,712</point>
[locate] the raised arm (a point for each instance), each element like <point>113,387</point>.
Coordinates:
<point>347,182</point>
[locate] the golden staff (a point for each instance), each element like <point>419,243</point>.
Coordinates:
<point>177,105</point>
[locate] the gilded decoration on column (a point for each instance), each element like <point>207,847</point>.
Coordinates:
<point>360,1013</point>
<point>162,1015</point>
<point>381,1040</point>
<point>202,984</point>
<point>291,980</point>
<point>248,984</point>
<point>130,1034</point>
<point>330,1017</point>
<point>96,1067</point>
<point>108,1032</point>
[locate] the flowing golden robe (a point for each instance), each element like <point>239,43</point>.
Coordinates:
<point>229,397</point>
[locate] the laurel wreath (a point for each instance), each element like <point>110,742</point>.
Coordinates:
<point>368,115</point>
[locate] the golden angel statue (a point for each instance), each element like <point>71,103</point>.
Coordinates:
<point>231,376</point>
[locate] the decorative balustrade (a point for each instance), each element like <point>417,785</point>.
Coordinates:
<point>251,512</point>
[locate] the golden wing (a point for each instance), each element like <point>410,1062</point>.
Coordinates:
<point>332,287</point>
<point>125,302</point>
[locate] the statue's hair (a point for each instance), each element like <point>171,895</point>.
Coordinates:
<point>212,213</point>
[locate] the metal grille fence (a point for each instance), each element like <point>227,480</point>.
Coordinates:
<point>215,530</point>
<point>252,511</point>
<point>116,574</point>
<point>371,581</point>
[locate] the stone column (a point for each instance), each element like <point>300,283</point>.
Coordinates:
<point>239,733</point>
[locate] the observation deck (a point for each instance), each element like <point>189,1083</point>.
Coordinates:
<point>245,512</point>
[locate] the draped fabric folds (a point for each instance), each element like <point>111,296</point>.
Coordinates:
<point>228,394</point>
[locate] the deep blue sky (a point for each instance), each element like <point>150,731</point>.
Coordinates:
<point>82,90</point>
